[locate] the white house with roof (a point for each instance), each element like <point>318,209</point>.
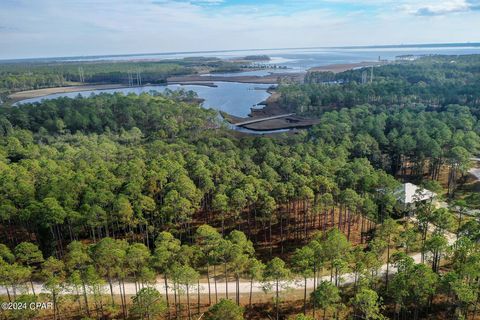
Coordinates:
<point>408,194</point>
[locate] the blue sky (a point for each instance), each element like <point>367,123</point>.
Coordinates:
<point>43,28</point>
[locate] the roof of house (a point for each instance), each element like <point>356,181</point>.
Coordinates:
<point>410,193</point>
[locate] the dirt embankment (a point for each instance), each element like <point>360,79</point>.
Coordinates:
<point>290,122</point>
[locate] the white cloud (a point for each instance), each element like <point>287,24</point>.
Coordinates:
<point>86,27</point>
<point>436,8</point>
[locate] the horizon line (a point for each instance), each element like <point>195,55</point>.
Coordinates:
<point>411,45</point>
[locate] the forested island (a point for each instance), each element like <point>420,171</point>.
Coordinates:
<point>148,207</point>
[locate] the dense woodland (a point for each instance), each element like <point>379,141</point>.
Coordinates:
<point>111,190</point>
<point>434,81</point>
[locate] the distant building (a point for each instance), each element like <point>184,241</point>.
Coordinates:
<point>406,57</point>
<point>409,194</point>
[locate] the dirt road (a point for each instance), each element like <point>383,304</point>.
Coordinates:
<point>257,287</point>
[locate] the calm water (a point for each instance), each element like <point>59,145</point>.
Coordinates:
<point>302,59</point>
<point>233,98</point>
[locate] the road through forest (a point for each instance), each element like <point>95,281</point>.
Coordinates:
<point>258,287</point>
